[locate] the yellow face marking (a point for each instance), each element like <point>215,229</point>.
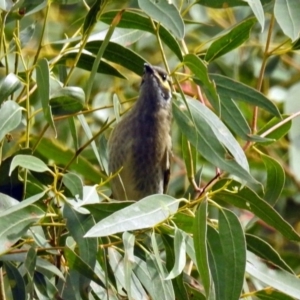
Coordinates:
<point>164,80</point>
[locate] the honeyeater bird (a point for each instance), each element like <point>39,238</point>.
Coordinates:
<point>139,147</point>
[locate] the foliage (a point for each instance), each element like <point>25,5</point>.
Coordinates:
<point>228,229</point>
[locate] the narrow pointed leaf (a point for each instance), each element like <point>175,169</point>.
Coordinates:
<point>75,262</point>
<point>119,54</point>
<point>200,244</point>
<point>86,62</point>
<point>264,250</point>
<point>180,259</point>
<point>165,13</point>
<point>74,184</point>
<point>217,262</point>
<point>134,20</point>
<point>258,11</point>
<point>206,133</point>
<point>286,14</point>
<point>116,262</point>
<point>234,250</point>
<point>275,179</point>
<point>199,68</point>
<point>239,91</point>
<point>28,162</point>
<point>231,40</point>
<point>247,199</point>
<point>67,100</point>
<point>43,88</point>
<point>8,86</point>
<point>16,281</point>
<point>163,288</point>
<point>10,116</point>
<point>142,214</point>
<point>278,279</point>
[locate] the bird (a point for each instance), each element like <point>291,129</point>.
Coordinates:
<point>140,146</point>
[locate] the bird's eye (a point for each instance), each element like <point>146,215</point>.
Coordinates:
<point>164,77</point>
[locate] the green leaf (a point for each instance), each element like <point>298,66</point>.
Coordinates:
<point>134,20</point>
<point>10,116</point>
<point>86,62</point>
<point>180,259</point>
<point>56,151</point>
<point>234,250</point>
<point>30,264</point>
<point>74,184</point>
<point>28,162</point>
<point>92,16</point>
<point>141,271</point>
<point>104,209</point>
<point>43,89</point>
<point>78,224</point>
<point>77,263</point>
<point>258,11</point>
<point>200,244</point>
<point>8,86</point>
<point>16,281</point>
<point>172,259</point>
<point>163,288</point>
<point>206,132</point>
<point>145,213</point>
<point>277,133</point>
<point>184,221</point>
<point>116,262</point>
<point>287,15</point>
<point>120,55</point>
<point>271,294</point>
<point>278,279</point>
<point>239,91</point>
<point>24,37</point>
<point>264,250</point>
<point>89,134</point>
<point>231,40</point>
<point>165,13</point>
<point>73,131</point>
<point>199,68</point>
<point>247,199</point>
<point>225,4</point>
<point>217,262</point>
<point>275,179</point>
<point>67,100</point>
<point>16,220</point>
<point>232,115</point>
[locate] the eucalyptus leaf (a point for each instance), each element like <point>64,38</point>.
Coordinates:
<point>233,244</point>
<point>10,116</point>
<point>120,55</point>
<point>200,244</point>
<point>231,40</point>
<point>8,85</point>
<point>43,88</point>
<point>286,14</point>
<point>28,162</point>
<point>143,23</point>
<point>165,13</point>
<point>276,278</point>
<point>142,214</point>
<point>207,134</point>
<point>246,198</point>
<point>67,100</point>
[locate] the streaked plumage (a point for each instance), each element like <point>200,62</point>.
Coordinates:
<point>140,144</point>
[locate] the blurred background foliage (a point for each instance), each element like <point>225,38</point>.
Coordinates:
<point>230,227</point>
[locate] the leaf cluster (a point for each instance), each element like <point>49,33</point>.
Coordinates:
<point>229,228</point>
